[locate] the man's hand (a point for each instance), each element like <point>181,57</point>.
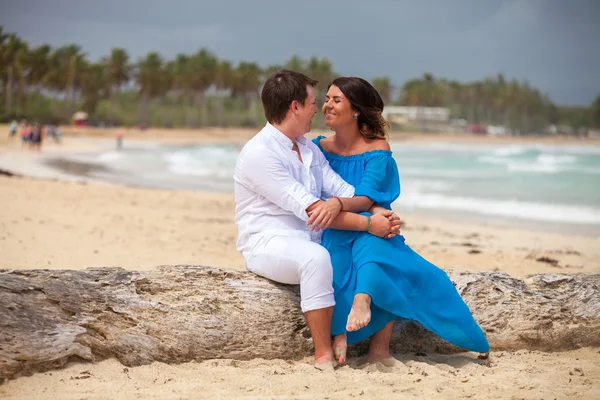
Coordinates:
<point>382,226</point>
<point>321,217</point>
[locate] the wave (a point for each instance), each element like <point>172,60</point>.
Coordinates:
<point>111,156</point>
<point>543,163</point>
<point>510,151</point>
<point>499,149</point>
<point>434,185</point>
<point>209,162</point>
<point>506,208</point>
<point>448,173</point>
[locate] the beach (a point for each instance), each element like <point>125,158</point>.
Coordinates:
<point>54,220</point>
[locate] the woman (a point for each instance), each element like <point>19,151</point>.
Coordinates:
<point>379,280</point>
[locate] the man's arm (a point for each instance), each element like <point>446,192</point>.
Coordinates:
<point>335,190</point>
<point>265,174</point>
<point>381,224</point>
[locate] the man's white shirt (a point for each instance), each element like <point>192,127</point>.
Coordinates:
<point>273,188</point>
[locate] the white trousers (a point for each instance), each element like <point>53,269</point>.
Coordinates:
<point>294,261</point>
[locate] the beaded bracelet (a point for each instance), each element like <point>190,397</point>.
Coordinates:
<point>368,224</point>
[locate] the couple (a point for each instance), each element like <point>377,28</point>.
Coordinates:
<point>292,194</point>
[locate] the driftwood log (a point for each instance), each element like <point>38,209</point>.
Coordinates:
<point>177,314</point>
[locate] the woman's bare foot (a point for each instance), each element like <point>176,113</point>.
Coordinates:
<point>360,314</point>
<point>339,348</point>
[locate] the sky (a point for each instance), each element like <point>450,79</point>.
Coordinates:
<point>553,44</point>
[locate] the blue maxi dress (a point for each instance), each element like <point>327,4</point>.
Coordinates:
<point>401,283</point>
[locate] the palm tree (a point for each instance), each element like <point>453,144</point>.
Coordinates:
<point>223,82</point>
<point>119,71</point>
<point>38,71</point>
<point>413,93</point>
<point>179,92</point>
<point>200,74</point>
<point>14,56</point>
<point>383,85</point>
<point>595,113</point>
<point>321,70</point>
<point>152,81</point>
<point>94,85</point>
<point>64,77</point>
<point>246,82</point>
<point>269,69</point>
<point>295,64</point>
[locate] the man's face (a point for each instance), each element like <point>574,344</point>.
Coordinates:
<point>308,110</point>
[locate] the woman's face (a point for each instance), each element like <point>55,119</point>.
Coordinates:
<point>337,109</point>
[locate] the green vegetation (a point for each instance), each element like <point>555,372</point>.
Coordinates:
<point>197,90</point>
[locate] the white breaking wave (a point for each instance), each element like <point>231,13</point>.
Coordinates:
<point>510,150</point>
<point>424,184</point>
<point>447,173</point>
<point>110,157</point>
<point>506,208</point>
<point>212,162</point>
<point>543,163</point>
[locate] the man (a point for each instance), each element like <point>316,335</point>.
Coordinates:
<point>280,178</point>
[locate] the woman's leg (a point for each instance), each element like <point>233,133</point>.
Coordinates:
<point>366,284</point>
<point>360,315</point>
<point>340,346</point>
<point>379,348</point>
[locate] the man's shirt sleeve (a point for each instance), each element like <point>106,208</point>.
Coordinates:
<point>265,174</point>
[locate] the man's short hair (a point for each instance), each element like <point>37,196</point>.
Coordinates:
<point>280,89</point>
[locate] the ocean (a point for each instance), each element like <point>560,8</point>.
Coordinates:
<point>549,187</point>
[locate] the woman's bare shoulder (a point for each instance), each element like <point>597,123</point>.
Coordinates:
<point>326,143</point>
<point>379,144</point>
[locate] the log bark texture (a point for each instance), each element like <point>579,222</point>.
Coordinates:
<point>181,313</point>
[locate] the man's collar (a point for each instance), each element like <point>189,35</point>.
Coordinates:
<point>283,139</point>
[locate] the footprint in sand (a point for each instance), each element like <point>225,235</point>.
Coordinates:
<point>388,365</point>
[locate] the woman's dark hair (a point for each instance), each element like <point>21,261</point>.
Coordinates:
<point>280,89</point>
<point>365,100</point>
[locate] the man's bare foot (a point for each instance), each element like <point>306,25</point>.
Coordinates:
<point>360,314</point>
<point>339,348</point>
<point>325,363</point>
<point>386,362</point>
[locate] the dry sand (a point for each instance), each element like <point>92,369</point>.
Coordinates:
<point>64,225</point>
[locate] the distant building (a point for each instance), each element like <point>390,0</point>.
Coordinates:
<point>496,130</point>
<point>594,133</point>
<point>407,115</point>
<point>80,118</point>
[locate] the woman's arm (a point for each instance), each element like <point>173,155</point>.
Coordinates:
<point>331,216</point>
<point>356,203</point>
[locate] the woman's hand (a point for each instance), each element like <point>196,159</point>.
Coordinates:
<point>321,217</point>
<point>390,215</point>
<point>383,226</point>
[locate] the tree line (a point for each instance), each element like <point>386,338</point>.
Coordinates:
<point>49,84</point>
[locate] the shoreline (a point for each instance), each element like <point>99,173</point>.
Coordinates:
<point>216,135</point>
<point>60,162</point>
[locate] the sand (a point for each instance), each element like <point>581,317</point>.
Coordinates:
<point>68,225</point>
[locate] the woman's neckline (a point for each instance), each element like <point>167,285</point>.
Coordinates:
<point>350,156</point>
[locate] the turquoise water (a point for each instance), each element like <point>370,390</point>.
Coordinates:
<point>514,184</point>
<point>559,184</point>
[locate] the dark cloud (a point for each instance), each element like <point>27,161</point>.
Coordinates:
<point>550,43</point>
